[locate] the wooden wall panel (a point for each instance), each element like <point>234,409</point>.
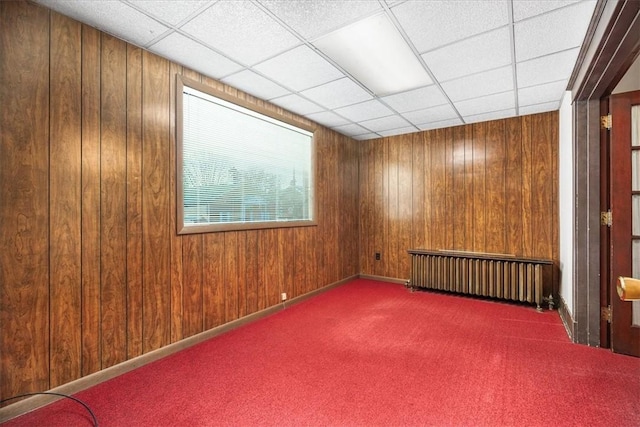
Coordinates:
<point>155,202</point>
<point>456,208</point>
<point>129,284</point>
<point>495,187</point>
<point>134,202</point>
<point>213,280</point>
<point>405,202</point>
<point>192,304</point>
<point>65,207</point>
<point>393,192</point>
<point>24,192</point>
<point>480,187</point>
<point>113,221</point>
<point>90,165</point>
<point>513,187</point>
<point>176,240</point>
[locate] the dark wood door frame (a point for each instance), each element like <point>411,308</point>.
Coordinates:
<point>611,46</point>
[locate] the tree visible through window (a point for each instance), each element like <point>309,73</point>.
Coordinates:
<point>239,168</point>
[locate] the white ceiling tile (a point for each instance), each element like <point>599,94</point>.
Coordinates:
<point>540,108</point>
<point>439,125</point>
<point>299,69</point>
<point>351,130</point>
<point>297,104</point>
<point>552,32</point>
<point>399,131</point>
<point>485,83</point>
<point>314,18</point>
<point>430,24</point>
<point>498,101</point>
<point>337,93</point>
<point>546,69</point>
<point>366,136</point>
<point>523,9</point>
<point>241,30</point>
<point>194,55</point>
<point>170,11</point>
<point>550,92</point>
<point>112,17</point>
<point>433,114</point>
<point>416,99</point>
<point>255,84</point>
<point>494,115</point>
<point>327,118</point>
<point>479,53</point>
<point>364,111</point>
<point>385,123</point>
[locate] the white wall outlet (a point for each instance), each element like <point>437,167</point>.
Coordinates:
<point>283,296</point>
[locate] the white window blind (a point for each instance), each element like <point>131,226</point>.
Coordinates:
<point>242,167</point>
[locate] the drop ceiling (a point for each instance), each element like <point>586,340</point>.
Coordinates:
<point>483,59</point>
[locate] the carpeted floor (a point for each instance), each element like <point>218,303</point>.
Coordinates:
<point>373,354</point>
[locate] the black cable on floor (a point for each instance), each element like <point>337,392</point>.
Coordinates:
<point>75,399</point>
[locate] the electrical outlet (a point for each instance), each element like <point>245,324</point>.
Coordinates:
<point>377,256</point>
<point>283,296</point>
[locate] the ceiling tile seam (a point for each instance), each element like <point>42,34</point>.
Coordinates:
<point>171,27</point>
<point>315,36</point>
<point>543,84</point>
<point>548,54</point>
<point>309,44</point>
<point>476,73</point>
<point>512,45</point>
<point>407,40</point>
<point>549,12</point>
<point>484,96</point>
<point>463,39</point>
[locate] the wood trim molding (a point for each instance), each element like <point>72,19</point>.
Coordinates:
<point>610,49</point>
<point>383,278</point>
<point>35,402</point>
<point>566,317</point>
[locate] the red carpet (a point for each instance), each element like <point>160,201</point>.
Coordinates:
<point>372,353</point>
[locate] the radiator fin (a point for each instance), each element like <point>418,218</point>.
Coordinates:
<point>506,278</point>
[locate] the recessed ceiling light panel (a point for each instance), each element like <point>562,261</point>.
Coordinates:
<point>373,52</point>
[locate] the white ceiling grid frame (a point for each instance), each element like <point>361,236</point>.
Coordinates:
<point>472,55</point>
<point>480,84</point>
<point>293,102</point>
<point>337,93</point>
<point>264,47</point>
<point>435,23</point>
<point>299,69</point>
<point>255,84</point>
<point>533,38</point>
<point>241,30</point>
<point>417,99</point>
<point>431,115</point>
<point>371,109</point>
<point>170,11</point>
<point>113,17</point>
<point>312,19</point>
<point>194,55</point>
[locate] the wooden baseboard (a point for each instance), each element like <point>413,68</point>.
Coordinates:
<point>567,319</point>
<point>31,403</point>
<point>383,278</point>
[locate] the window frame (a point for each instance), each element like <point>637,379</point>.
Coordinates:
<point>181,227</point>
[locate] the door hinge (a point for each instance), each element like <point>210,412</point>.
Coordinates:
<point>605,313</point>
<point>605,122</point>
<point>605,218</point>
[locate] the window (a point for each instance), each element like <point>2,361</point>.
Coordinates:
<point>239,168</point>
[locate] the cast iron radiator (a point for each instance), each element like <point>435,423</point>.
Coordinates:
<point>482,274</point>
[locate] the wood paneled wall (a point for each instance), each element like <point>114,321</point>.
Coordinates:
<point>485,187</point>
<point>93,272</point>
